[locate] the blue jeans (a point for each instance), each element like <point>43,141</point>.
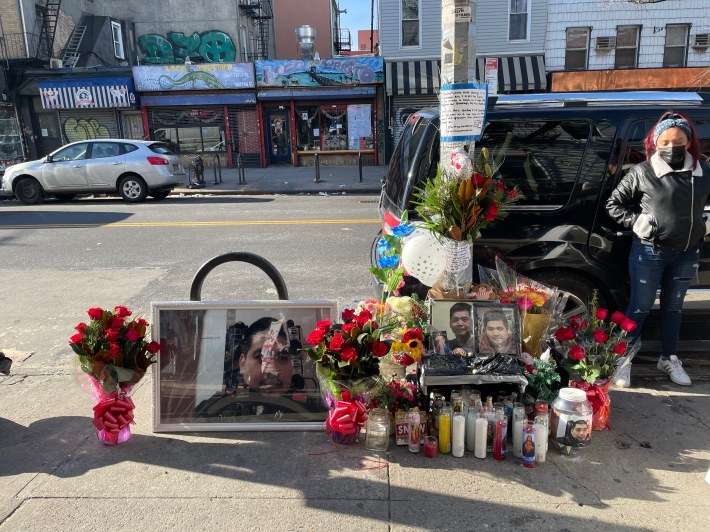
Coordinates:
<point>673,271</point>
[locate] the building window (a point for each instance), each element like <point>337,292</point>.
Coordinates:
<point>519,18</point>
<point>676,50</point>
<point>410,23</point>
<point>627,46</point>
<point>117,40</point>
<point>577,48</point>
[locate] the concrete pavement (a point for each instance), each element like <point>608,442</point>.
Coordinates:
<point>291,180</point>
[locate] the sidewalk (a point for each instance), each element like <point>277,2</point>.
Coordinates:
<point>292,180</point>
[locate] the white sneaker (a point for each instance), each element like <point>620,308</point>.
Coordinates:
<point>674,368</point>
<point>622,377</point>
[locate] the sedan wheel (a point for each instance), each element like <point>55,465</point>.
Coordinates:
<point>29,191</point>
<point>133,189</point>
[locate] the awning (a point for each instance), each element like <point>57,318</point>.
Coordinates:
<point>515,73</point>
<point>88,93</point>
<point>412,77</point>
<point>696,78</point>
<point>152,100</point>
<point>316,94</point>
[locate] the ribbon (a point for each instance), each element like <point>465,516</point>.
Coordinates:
<point>347,417</point>
<point>112,414</point>
<point>598,397</point>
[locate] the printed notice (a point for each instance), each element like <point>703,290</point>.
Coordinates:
<point>463,111</point>
<point>462,14</point>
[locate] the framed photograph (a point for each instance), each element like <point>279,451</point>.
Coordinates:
<point>496,328</point>
<point>452,327</point>
<point>236,365</point>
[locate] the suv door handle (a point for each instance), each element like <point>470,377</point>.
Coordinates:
<point>612,234</point>
<point>76,166</point>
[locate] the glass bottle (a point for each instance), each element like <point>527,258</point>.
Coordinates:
<point>481,435</point>
<point>528,447</point>
<point>457,401</point>
<point>458,434</point>
<point>378,426</point>
<point>414,425</point>
<point>518,418</point>
<point>491,418</point>
<point>434,406</point>
<point>444,424</point>
<point>471,416</point>
<point>541,436</point>
<point>500,435</point>
<point>571,420</point>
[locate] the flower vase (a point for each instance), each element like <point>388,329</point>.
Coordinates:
<point>113,413</point>
<point>598,397</point>
<point>391,371</point>
<point>458,273</point>
<point>534,327</point>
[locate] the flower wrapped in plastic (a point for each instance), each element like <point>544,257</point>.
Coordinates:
<point>115,352</point>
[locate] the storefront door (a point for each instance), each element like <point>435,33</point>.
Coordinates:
<point>50,136</point>
<point>279,137</point>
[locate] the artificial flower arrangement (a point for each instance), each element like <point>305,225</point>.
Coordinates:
<point>115,352</point>
<point>592,347</point>
<point>398,394</point>
<point>543,378</point>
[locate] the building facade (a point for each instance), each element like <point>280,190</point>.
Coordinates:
<point>622,45</point>
<point>290,14</point>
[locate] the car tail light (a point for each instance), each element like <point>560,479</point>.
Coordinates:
<point>158,161</point>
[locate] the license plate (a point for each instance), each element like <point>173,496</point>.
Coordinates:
<point>176,168</point>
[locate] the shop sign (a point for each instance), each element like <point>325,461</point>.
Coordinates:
<point>208,76</point>
<point>334,72</point>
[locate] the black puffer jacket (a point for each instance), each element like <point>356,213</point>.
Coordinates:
<point>675,202</point>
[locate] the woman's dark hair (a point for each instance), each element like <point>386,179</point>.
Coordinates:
<point>693,149</point>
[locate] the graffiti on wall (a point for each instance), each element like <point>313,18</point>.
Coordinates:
<point>212,46</point>
<point>329,72</point>
<point>82,129</point>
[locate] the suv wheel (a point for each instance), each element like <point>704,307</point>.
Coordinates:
<point>29,191</point>
<point>578,288</point>
<point>132,188</point>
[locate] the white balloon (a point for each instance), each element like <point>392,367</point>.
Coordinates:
<point>423,256</point>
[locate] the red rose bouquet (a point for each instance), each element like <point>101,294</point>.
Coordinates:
<point>115,352</point>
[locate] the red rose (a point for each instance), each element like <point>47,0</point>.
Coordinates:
<point>348,314</point>
<point>76,339</point>
<point>132,335</point>
<point>336,343</point>
<point>413,334</point>
<point>323,325</point>
<point>620,348</point>
<point>500,186</point>
<point>362,318</point>
<point>512,193</point>
<point>564,333</point>
<point>114,350</point>
<point>379,349</point>
<point>348,354</point>
<point>617,317</point>
<point>116,322</point>
<point>601,313</point>
<point>122,312</point>
<point>406,360</point>
<point>577,353</point>
<point>141,321</point>
<point>477,180</point>
<point>153,347</point>
<point>113,334</point>
<point>600,336</point>
<point>95,313</point>
<point>348,328</point>
<point>81,327</point>
<point>628,324</point>
<point>491,213</point>
<point>582,324</point>
<point>315,337</point>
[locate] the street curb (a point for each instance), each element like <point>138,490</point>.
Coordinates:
<point>339,192</point>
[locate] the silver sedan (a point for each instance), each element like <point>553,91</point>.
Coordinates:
<point>132,168</point>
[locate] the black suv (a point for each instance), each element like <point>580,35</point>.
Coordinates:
<point>566,152</point>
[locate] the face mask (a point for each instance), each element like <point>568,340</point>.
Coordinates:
<point>673,156</point>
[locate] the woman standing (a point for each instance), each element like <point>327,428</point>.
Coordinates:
<point>662,201</point>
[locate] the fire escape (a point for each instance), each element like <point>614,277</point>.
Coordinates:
<point>341,36</point>
<point>47,16</point>
<point>261,13</point>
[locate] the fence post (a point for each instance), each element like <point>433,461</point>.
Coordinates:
<point>240,170</point>
<point>359,165</point>
<point>316,163</point>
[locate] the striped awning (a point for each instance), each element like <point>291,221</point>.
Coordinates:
<point>88,93</point>
<point>515,73</point>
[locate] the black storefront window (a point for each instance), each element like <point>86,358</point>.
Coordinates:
<point>189,130</point>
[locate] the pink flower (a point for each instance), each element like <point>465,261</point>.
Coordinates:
<point>577,353</point>
<point>600,336</point>
<point>525,303</point>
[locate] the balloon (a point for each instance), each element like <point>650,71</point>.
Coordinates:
<point>423,256</point>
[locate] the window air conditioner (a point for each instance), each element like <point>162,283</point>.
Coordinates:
<point>702,40</point>
<point>606,43</point>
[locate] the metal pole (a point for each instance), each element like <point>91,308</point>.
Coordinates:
<point>316,163</point>
<point>458,57</point>
<point>240,170</point>
<point>217,169</point>
<point>359,165</point>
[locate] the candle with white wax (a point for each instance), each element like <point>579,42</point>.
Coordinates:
<point>481,436</point>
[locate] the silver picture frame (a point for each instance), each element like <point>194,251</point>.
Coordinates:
<point>236,366</point>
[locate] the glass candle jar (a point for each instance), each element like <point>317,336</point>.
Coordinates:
<point>378,425</point>
<point>445,413</point>
<point>571,420</point>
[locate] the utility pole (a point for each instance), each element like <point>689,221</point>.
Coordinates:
<point>372,26</point>
<point>458,67</point>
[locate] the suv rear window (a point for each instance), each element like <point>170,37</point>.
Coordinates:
<point>541,157</point>
<point>159,147</point>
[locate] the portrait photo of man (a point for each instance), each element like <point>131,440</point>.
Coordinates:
<point>497,331</point>
<point>452,326</point>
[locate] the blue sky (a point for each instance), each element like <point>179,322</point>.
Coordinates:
<point>357,17</point>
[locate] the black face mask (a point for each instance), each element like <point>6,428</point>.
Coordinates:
<point>673,156</point>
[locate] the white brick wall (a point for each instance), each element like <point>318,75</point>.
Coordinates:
<point>603,16</point>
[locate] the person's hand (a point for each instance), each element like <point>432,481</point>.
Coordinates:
<point>645,226</point>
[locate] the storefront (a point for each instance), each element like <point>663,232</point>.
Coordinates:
<point>330,108</point>
<point>206,109</point>
<point>77,108</point>
<point>11,151</point>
